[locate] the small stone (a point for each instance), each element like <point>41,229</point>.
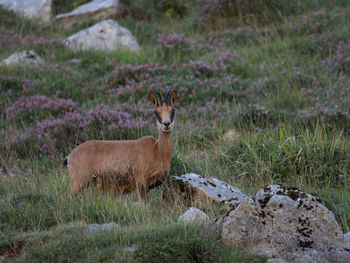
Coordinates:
<point>193,214</point>
<point>230,136</point>
<point>24,58</point>
<point>97,228</point>
<point>276,260</point>
<point>129,249</point>
<point>74,61</point>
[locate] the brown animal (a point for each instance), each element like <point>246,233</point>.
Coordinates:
<point>120,167</point>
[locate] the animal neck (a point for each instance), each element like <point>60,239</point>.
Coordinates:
<point>165,144</point>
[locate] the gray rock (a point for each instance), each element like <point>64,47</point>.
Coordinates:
<point>193,214</point>
<point>97,228</point>
<point>276,260</point>
<point>24,58</point>
<point>347,237</point>
<point>32,9</point>
<point>74,61</point>
<point>213,188</point>
<point>96,9</point>
<point>287,224</point>
<point>129,249</point>
<point>106,36</point>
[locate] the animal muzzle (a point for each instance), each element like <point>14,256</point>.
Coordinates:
<point>167,126</point>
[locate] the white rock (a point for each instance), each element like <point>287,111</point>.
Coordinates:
<point>230,136</point>
<point>193,214</point>
<point>288,224</point>
<point>211,187</point>
<point>96,228</point>
<point>24,58</point>
<point>96,9</point>
<point>129,249</point>
<point>106,35</point>
<point>32,9</point>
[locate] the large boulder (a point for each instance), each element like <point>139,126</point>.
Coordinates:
<point>32,9</point>
<point>194,187</point>
<point>106,36</point>
<point>286,224</point>
<point>24,58</point>
<point>96,9</point>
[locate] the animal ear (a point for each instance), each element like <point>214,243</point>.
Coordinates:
<point>171,98</point>
<point>154,99</point>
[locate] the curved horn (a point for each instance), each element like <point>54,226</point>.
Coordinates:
<point>159,97</point>
<point>168,95</point>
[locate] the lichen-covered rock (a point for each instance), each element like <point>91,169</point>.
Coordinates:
<point>288,224</point>
<point>195,185</point>
<point>96,10</point>
<point>96,228</point>
<point>24,58</point>
<point>193,214</point>
<point>106,36</point>
<point>32,9</point>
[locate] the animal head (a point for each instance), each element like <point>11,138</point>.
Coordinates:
<point>164,110</point>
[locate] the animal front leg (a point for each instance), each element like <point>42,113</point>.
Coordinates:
<point>80,177</point>
<point>142,192</point>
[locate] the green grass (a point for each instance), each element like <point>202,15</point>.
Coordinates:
<point>281,65</point>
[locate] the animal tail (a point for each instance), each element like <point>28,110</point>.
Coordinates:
<point>65,162</point>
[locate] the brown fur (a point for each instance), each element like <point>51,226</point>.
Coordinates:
<point>120,167</point>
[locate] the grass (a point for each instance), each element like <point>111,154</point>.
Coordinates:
<point>279,80</point>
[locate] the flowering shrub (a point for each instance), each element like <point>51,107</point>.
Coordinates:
<point>73,127</point>
<point>39,105</point>
<point>13,41</point>
<point>173,41</point>
<point>340,61</point>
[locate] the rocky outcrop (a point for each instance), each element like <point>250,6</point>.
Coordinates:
<point>32,9</point>
<point>195,187</point>
<point>193,215</point>
<point>24,58</point>
<point>286,224</point>
<point>97,228</point>
<point>94,10</point>
<point>106,36</point>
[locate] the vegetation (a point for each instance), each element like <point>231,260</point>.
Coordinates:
<point>276,73</point>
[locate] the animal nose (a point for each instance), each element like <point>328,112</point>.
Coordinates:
<point>166,124</point>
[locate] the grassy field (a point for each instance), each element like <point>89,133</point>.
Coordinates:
<point>276,73</point>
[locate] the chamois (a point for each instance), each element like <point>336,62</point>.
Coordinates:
<point>123,166</point>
